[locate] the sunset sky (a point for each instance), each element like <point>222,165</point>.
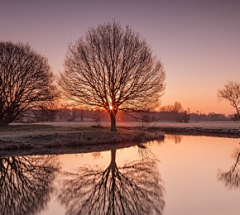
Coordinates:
<point>197,41</point>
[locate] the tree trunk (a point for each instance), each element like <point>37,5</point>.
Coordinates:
<point>4,121</point>
<point>238,114</point>
<point>113,167</point>
<point>113,121</point>
<point>113,159</point>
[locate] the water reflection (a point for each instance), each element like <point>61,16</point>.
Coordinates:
<point>231,178</point>
<point>175,137</point>
<point>26,183</point>
<point>135,188</point>
<point>144,150</point>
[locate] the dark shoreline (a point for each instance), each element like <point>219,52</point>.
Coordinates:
<point>199,131</point>
<point>60,150</point>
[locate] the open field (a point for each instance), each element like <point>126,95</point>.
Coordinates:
<point>207,128</point>
<point>19,136</point>
<point>200,124</point>
<point>66,134</point>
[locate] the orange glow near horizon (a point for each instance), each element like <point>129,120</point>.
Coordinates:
<point>197,106</point>
<point>199,103</point>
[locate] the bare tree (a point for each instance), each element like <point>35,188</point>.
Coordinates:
<point>26,183</point>
<point>177,107</point>
<point>114,69</point>
<point>25,80</point>
<point>231,92</point>
<point>175,112</point>
<point>135,188</point>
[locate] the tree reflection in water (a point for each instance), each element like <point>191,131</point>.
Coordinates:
<point>26,183</point>
<point>175,137</point>
<point>135,188</point>
<point>231,179</point>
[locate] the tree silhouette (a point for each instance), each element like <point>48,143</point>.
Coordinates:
<point>113,69</point>
<point>26,183</point>
<point>136,188</point>
<point>231,92</point>
<point>175,137</point>
<point>231,178</point>
<point>25,81</point>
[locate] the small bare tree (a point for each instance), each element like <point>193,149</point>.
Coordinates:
<point>114,69</point>
<point>177,107</point>
<point>25,81</point>
<point>231,92</point>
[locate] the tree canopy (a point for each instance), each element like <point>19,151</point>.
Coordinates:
<point>231,92</point>
<point>25,81</point>
<point>113,68</point>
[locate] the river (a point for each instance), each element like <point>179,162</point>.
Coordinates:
<point>183,175</point>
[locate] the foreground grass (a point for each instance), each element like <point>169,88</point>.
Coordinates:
<point>60,135</point>
<point>41,136</point>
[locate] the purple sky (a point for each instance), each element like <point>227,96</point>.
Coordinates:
<point>198,41</point>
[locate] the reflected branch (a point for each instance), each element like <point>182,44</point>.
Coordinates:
<point>144,151</point>
<point>135,188</point>
<point>26,183</point>
<point>231,179</point>
<point>175,137</point>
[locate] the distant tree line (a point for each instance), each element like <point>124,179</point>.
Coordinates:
<point>209,117</point>
<point>85,115</point>
<point>174,112</point>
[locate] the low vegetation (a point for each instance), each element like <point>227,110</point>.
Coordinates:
<point>40,136</point>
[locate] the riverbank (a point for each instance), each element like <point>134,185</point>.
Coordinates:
<point>38,136</point>
<point>215,132</point>
<point>202,128</point>
<point>65,134</point>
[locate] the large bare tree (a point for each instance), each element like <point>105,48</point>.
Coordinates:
<point>231,92</point>
<point>25,80</point>
<point>112,68</point>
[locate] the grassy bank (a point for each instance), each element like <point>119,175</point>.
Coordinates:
<point>42,136</point>
<point>64,134</point>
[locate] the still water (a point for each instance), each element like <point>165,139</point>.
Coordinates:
<point>184,175</point>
